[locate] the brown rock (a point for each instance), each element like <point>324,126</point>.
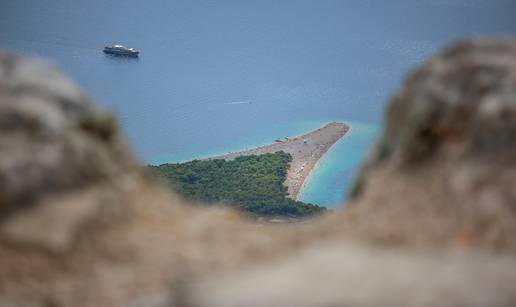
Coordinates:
<point>445,164</point>
<point>52,137</point>
<point>432,222</point>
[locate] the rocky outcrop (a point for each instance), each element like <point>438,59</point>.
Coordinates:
<point>431,223</point>
<point>80,223</point>
<point>434,202</point>
<point>56,149</point>
<point>446,160</point>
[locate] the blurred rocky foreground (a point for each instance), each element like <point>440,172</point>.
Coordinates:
<point>432,221</point>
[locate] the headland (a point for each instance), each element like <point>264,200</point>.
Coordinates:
<point>305,150</point>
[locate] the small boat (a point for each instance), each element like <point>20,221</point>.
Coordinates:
<point>121,51</point>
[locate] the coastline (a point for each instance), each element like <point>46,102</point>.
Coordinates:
<point>304,155</point>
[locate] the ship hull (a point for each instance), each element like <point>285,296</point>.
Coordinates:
<point>122,53</point>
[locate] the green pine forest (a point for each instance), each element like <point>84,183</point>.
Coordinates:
<point>253,183</point>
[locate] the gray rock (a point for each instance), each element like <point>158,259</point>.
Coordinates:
<point>52,138</point>
<point>465,96</point>
<point>359,276</point>
<point>449,149</point>
<point>432,223</point>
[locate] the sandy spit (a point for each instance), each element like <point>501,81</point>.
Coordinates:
<point>305,149</point>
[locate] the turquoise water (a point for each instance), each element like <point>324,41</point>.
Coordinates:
<point>330,181</point>
<point>219,76</point>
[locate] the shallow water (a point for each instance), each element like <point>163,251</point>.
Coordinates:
<point>218,76</point>
<point>332,178</point>
<point>329,182</point>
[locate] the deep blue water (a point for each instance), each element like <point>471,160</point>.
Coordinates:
<point>216,76</point>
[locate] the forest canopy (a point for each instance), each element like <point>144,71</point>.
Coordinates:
<point>253,183</point>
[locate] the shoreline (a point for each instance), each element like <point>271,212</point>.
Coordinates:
<point>316,166</point>
<point>304,155</point>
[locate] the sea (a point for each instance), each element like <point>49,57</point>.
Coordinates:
<point>220,76</point>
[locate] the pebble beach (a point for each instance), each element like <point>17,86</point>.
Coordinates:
<point>305,149</point>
